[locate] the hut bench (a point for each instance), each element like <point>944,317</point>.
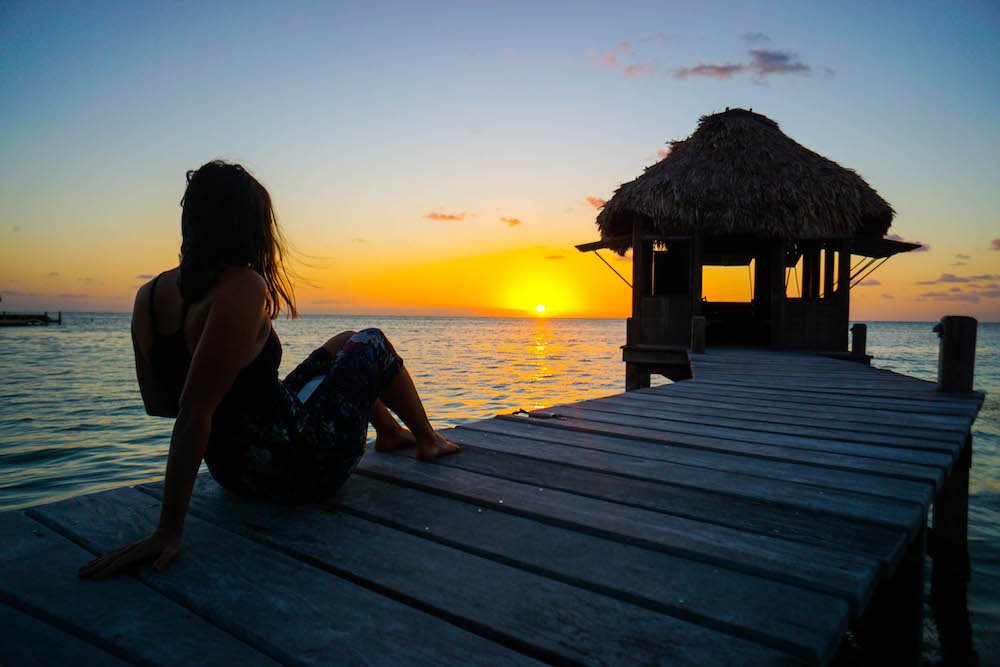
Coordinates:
<point>749,516</point>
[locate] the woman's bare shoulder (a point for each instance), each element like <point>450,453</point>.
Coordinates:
<point>142,295</point>
<point>241,279</point>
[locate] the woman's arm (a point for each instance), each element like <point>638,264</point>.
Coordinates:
<point>153,398</point>
<point>227,343</point>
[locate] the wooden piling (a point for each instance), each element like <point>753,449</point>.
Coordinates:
<point>859,340</point>
<point>891,632</point>
<point>698,327</point>
<point>956,354</point>
<point>949,543</point>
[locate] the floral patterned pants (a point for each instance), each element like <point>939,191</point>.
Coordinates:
<point>304,451</point>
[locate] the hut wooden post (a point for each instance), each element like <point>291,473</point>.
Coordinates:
<point>698,326</point>
<point>828,269</point>
<point>844,292</point>
<point>949,544</point>
<point>777,288</point>
<point>637,375</point>
<point>696,272</point>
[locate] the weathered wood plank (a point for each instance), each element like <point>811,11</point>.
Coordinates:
<point>294,612</point>
<point>815,378</point>
<point>770,460</point>
<point>121,617</point>
<point>863,420</point>
<point>873,453</point>
<point>841,400</point>
<point>779,394</point>
<point>706,503</point>
<point>845,575</point>
<point>733,433</point>
<point>786,617</point>
<point>784,479</point>
<point>517,607</point>
<point>967,407</point>
<point>715,418</point>
<point>26,641</point>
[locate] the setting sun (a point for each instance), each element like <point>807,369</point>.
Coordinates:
<point>540,308</point>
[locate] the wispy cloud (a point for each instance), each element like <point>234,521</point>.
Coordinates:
<point>638,69</point>
<point>871,282</point>
<point>596,202</point>
<point>53,274</point>
<point>944,278</point>
<point>606,59</point>
<point>710,70</point>
<point>952,278</point>
<point>962,257</point>
<point>556,257</point>
<point>762,64</point>
<point>144,276</point>
<point>75,295</point>
<point>663,152</point>
<point>995,244</point>
<point>440,215</point>
<point>765,62</point>
<point>626,48</point>
<point>755,38</point>
<point>888,296</point>
<point>511,222</point>
<point>358,240</point>
<point>948,296</point>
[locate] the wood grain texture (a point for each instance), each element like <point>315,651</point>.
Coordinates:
<point>294,612</point>
<point>122,617</point>
<point>846,575</point>
<point>505,603</point>
<point>26,641</point>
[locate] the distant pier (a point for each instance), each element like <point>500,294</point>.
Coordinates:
<point>28,319</point>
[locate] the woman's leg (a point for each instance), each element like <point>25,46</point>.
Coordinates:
<point>389,435</point>
<point>402,397</point>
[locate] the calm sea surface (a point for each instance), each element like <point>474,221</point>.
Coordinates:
<point>71,419</point>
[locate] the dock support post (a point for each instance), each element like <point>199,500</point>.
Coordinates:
<point>956,353</point>
<point>698,326</point>
<point>859,340</point>
<point>637,376</point>
<point>951,570</point>
<point>892,629</point>
<point>949,540</point>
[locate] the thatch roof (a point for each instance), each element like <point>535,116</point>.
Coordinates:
<point>739,174</point>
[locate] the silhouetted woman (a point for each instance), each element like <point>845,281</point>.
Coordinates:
<point>207,355</point>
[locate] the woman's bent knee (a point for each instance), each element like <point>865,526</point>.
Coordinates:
<point>334,344</point>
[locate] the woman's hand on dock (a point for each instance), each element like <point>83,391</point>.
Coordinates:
<point>162,546</point>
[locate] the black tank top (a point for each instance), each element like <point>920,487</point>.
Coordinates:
<point>170,360</point>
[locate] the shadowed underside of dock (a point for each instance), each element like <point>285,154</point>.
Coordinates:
<point>744,517</point>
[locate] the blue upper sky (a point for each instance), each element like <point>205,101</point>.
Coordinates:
<point>362,118</point>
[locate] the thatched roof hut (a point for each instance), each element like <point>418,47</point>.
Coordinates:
<point>739,174</point>
<point>738,192</point>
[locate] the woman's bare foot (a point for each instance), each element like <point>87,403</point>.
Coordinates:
<point>398,438</point>
<point>432,449</point>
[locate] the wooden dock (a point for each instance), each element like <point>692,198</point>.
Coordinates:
<point>750,516</point>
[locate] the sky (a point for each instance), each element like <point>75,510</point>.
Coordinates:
<point>444,158</point>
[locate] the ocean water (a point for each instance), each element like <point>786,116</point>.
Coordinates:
<point>71,418</point>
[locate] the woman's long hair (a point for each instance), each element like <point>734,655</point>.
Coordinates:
<point>228,220</point>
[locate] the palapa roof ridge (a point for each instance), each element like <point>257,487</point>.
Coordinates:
<point>739,174</point>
